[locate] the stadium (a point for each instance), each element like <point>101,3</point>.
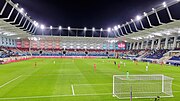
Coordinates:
<point>137,60</point>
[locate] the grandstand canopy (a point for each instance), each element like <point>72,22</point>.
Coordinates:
<point>161,21</point>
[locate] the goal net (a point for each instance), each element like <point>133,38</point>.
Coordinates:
<point>142,86</point>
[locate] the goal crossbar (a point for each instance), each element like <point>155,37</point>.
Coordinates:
<point>143,86</point>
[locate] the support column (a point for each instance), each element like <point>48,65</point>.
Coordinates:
<point>159,44</point>
<point>130,47</point>
<point>142,44</point>
<point>137,47</point>
<point>166,43</point>
<point>174,43</point>
<point>134,44</point>
<point>152,45</point>
<point>146,44</point>
<point>30,46</point>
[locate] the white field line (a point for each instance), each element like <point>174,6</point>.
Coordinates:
<point>92,84</point>
<point>10,81</point>
<point>60,74</point>
<point>72,87</point>
<point>55,96</point>
<point>176,85</point>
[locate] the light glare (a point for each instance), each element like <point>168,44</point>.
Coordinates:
<point>42,27</point>
<point>115,28</point>
<point>138,17</point>
<point>60,27</point>
<point>85,29</point>
<point>93,29</point>
<point>21,10</point>
<point>164,4</point>
<point>109,29</point>
<point>101,29</point>
<point>51,27</point>
<point>69,28</point>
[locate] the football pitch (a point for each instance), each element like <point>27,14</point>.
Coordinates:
<point>73,79</point>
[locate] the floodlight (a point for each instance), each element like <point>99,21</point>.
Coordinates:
<point>179,31</point>
<point>51,27</point>
<point>60,27</point>
<point>178,0</point>
<point>36,23</point>
<point>109,29</point>
<point>153,9</point>
<point>145,14</point>
<point>93,29</point>
<point>69,28</point>
<point>21,10</point>
<point>42,27</point>
<point>132,20</point>
<point>168,33</point>
<point>119,26</point>
<point>26,14</point>
<point>115,28</point>
<point>85,29</point>
<point>138,17</point>
<point>101,29</point>
<point>164,4</point>
<point>18,38</point>
<point>17,5</point>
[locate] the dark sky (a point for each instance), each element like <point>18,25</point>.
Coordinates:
<point>86,13</point>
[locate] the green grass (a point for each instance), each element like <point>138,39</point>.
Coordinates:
<point>53,82</point>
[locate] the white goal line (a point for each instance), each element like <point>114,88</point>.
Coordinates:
<point>10,81</point>
<point>54,96</point>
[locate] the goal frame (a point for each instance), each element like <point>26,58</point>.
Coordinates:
<point>130,92</point>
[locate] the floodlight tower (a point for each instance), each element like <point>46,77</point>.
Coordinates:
<point>60,29</point>
<point>149,22</point>
<point>155,11</point>
<point>129,26</point>
<point>85,29</point>
<point>119,26</point>
<point>134,24</point>
<point>36,26</point>
<point>93,30</point>
<point>42,29</point>
<point>168,11</point>
<point>116,31</point>
<point>109,31</point>
<point>138,18</point>
<point>69,29</point>
<point>51,29</point>
<point>101,31</point>
<point>125,28</point>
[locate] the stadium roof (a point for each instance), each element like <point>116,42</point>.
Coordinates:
<point>14,22</point>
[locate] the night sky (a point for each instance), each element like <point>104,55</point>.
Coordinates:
<point>86,13</point>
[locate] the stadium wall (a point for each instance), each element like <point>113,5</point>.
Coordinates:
<point>14,59</point>
<point>7,42</point>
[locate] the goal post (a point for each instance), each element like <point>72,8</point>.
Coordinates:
<point>142,86</point>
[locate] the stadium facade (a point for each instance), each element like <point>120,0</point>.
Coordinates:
<point>147,34</point>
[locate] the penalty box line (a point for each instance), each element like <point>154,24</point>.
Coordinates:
<point>73,92</point>
<point>54,96</point>
<point>10,81</point>
<point>93,84</point>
